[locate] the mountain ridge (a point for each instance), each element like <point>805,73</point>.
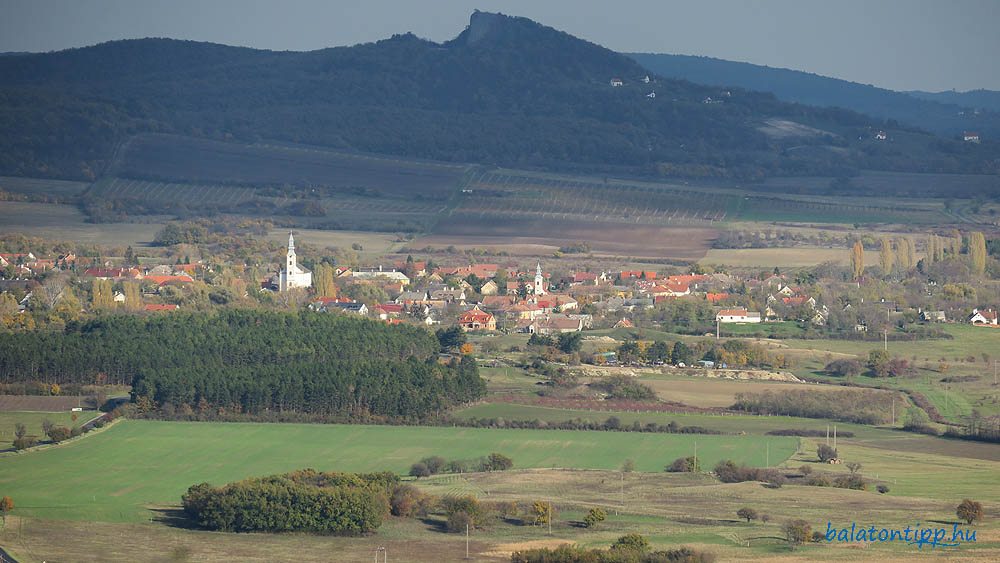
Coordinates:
<point>506,90</point>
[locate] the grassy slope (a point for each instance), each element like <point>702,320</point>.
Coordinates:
<point>164,458</point>
<point>33,422</point>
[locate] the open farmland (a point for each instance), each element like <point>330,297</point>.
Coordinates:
<point>173,456</point>
<point>191,195</point>
<point>65,222</point>
<point>187,159</point>
<point>689,243</point>
<point>57,189</point>
<point>781,257</point>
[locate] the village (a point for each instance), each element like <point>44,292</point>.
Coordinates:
<point>484,297</point>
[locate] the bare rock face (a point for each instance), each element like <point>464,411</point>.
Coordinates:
<point>481,24</point>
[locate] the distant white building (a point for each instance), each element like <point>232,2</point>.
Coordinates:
<point>293,275</point>
<point>615,82</point>
<point>737,316</point>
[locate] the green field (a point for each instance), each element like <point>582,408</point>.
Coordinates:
<point>33,422</point>
<point>141,463</point>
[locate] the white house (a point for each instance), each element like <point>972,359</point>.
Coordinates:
<point>970,137</point>
<point>737,316</point>
<point>987,317</point>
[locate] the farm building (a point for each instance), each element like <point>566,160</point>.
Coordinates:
<point>737,316</point>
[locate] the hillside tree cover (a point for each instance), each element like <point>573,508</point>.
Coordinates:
<point>252,361</point>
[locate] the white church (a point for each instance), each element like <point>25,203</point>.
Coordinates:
<point>293,275</point>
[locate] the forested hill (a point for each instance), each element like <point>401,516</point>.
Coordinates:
<point>505,91</point>
<point>947,113</point>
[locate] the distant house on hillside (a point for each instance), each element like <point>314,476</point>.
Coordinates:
<point>616,82</point>
<point>970,136</point>
<point>881,136</point>
<point>933,316</point>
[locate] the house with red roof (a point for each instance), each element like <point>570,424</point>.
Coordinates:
<point>157,308</point>
<point>114,273</point>
<point>716,297</point>
<point>987,317</point>
<point>388,310</point>
<point>477,319</point>
<point>163,280</point>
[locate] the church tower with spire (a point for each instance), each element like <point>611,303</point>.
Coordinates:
<point>293,275</point>
<point>539,281</point>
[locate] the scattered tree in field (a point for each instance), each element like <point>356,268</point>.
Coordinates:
<point>805,469</point>
<point>765,518</point>
<point>969,510</point>
<point>405,500</point>
<point>857,259</point>
<point>818,537</point>
<point>541,511</point>
<point>506,509</point>
<point>20,430</point>
<point>853,466</point>
<point>466,504</point>
<point>747,513</point>
<point>882,489</point>
<point>688,464</point>
<point>594,517</point>
<point>419,470</point>
<point>826,453</point>
<point>460,522</point>
<point>497,462</point>
<point>434,463</point>
<point>796,532</point>
<point>628,466</point>
<point>6,505</point>
<point>631,542</point>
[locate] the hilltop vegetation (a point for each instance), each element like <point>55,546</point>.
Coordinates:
<point>470,99</point>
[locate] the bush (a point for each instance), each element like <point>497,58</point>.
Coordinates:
<point>58,434</point>
<point>825,453</point>
<point>467,504</point>
<point>405,500</point>
<point>496,462</point>
<point>684,465</point>
<point>631,542</point>
<point>594,517</point>
<point>419,470</point>
<point>457,466</point>
<point>819,480</point>
<point>25,442</point>
<point>460,522</point>
<point>852,481</point>
<point>818,537</point>
<point>805,469</point>
<point>921,429</point>
<point>796,532</point>
<point>883,489</point>
<point>434,464</point>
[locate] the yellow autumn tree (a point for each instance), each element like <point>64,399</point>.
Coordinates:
<point>323,281</point>
<point>885,255</point>
<point>977,252</point>
<point>858,259</point>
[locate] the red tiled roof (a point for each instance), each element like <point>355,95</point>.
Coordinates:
<point>160,280</point>
<point>713,297</point>
<point>688,279</point>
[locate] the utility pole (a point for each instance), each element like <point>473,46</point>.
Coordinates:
<point>467,540</point>
<point>835,437</point>
<point>550,518</point>
<point>623,491</point>
<point>828,434</point>
<point>716,329</point>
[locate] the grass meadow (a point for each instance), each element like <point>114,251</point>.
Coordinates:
<point>115,474</point>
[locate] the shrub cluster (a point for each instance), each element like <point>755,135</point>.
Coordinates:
<point>853,405</point>
<point>434,464</point>
<point>807,433</point>
<point>305,500</point>
<point>612,423</point>
<point>728,472</point>
<point>630,548</point>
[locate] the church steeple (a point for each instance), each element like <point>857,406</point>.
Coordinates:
<point>539,280</point>
<point>290,265</point>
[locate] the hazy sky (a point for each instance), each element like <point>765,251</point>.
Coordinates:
<point>898,44</point>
